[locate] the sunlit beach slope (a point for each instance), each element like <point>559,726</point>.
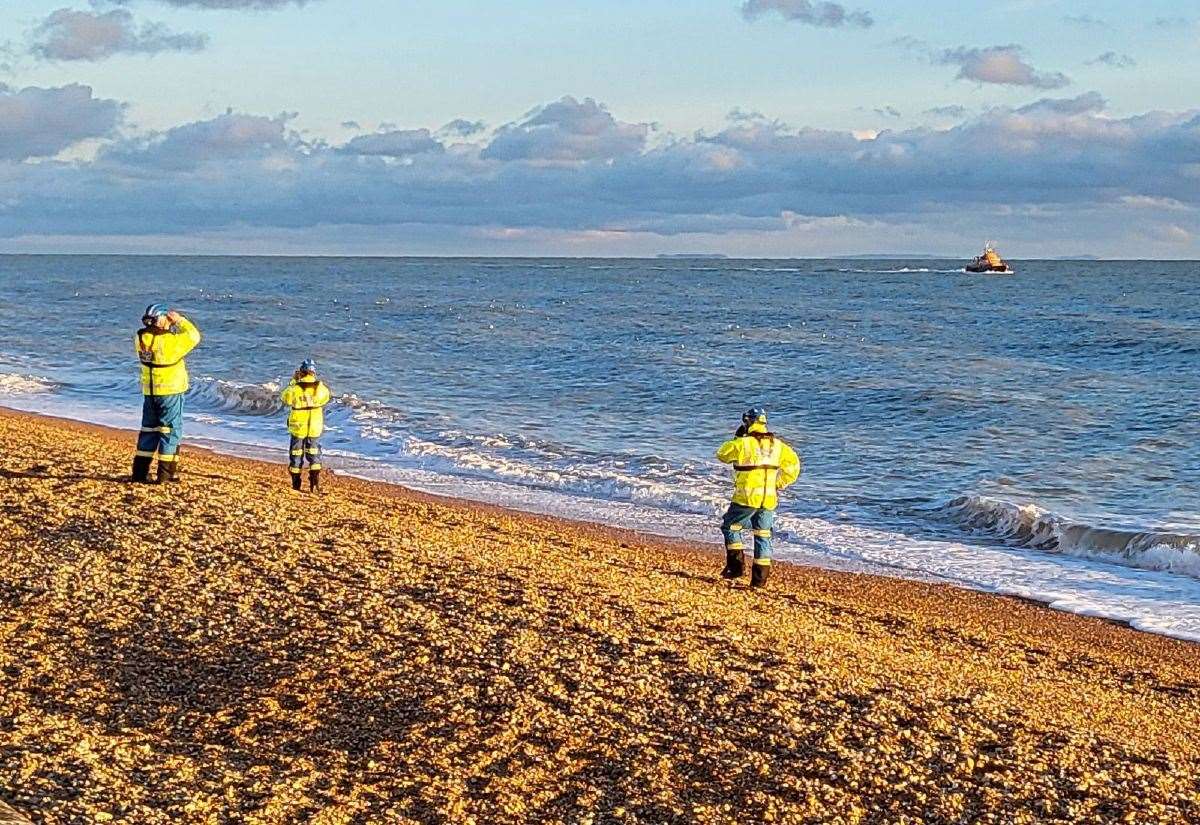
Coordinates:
<point>226,650</point>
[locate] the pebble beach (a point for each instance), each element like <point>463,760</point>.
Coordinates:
<point>226,650</point>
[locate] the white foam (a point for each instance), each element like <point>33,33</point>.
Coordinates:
<point>13,383</point>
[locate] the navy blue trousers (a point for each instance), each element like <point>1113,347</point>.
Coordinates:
<point>304,449</point>
<point>759,521</point>
<point>162,426</point>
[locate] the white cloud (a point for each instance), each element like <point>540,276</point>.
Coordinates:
<point>253,5</point>
<point>67,34</point>
<point>1114,60</point>
<point>1004,65</point>
<point>567,130</point>
<point>396,143</point>
<point>227,137</point>
<point>823,14</point>
<point>41,122</point>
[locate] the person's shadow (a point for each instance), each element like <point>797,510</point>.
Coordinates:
<point>40,471</point>
<point>44,472</point>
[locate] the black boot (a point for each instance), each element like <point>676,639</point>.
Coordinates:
<point>759,575</point>
<point>141,469</point>
<point>314,481</point>
<point>296,481</point>
<point>168,471</point>
<point>735,564</point>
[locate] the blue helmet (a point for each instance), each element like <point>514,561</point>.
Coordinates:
<point>155,311</point>
<point>754,415</point>
<point>308,365</point>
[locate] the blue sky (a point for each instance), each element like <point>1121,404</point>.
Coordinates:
<point>607,127</point>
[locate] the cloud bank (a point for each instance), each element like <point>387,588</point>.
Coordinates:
<point>66,34</point>
<point>823,14</point>
<point>1060,167</point>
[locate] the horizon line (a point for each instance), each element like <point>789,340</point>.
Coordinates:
<point>713,256</point>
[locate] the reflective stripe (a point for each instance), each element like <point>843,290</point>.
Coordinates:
<point>763,534</point>
<point>314,466</point>
<point>145,454</point>
<point>156,429</point>
<point>763,562</point>
<point>736,527</point>
<point>736,545</point>
<point>297,452</point>
<point>295,470</point>
<point>313,451</point>
<point>170,459</point>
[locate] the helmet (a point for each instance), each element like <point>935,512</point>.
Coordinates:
<point>154,312</point>
<point>754,415</point>
<point>308,365</point>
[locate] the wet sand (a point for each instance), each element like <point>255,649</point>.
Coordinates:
<point>229,651</point>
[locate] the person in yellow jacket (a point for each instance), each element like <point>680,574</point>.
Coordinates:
<point>763,464</point>
<point>164,340</point>
<point>307,396</point>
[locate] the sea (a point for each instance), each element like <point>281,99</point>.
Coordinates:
<point>1036,434</point>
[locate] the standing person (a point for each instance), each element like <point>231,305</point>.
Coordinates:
<point>164,340</point>
<point>307,395</point>
<point>763,464</point>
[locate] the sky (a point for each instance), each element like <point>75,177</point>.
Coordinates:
<point>770,128</point>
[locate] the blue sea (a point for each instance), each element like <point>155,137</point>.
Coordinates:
<point>1035,434</point>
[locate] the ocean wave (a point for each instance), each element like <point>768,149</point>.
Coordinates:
<point>643,483</point>
<point>236,396</point>
<point>1031,526</point>
<point>14,383</point>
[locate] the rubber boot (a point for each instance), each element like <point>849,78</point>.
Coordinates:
<point>735,564</point>
<point>168,471</point>
<point>759,575</point>
<point>314,481</point>
<point>295,481</point>
<point>141,469</point>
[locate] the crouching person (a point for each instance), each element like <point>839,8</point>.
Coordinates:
<point>307,396</point>
<point>763,464</point>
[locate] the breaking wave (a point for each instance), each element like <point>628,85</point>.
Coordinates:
<point>13,383</point>
<point>1030,526</point>
<point>237,397</point>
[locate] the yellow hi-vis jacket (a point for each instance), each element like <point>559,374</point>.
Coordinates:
<point>763,465</point>
<point>307,418</point>
<point>161,355</point>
